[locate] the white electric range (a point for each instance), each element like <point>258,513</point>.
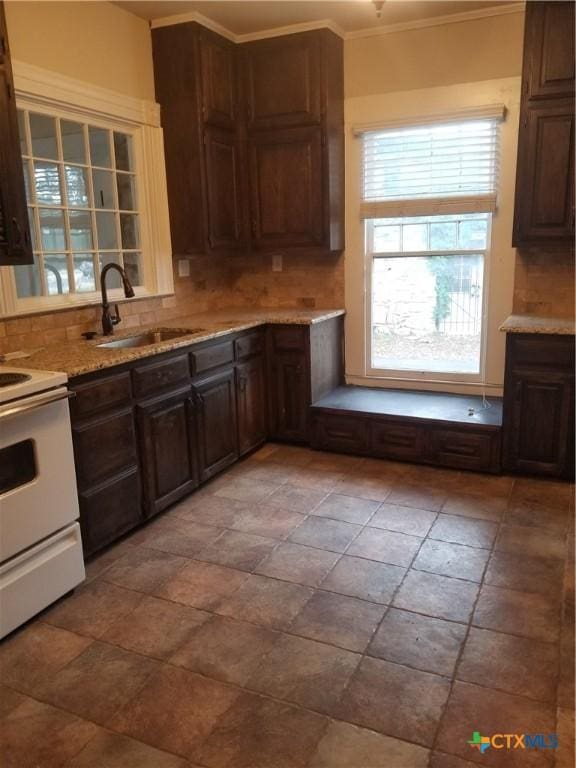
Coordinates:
<point>40,543</point>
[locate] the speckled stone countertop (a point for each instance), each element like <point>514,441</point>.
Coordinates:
<point>79,357</point>
<point>559,326</point>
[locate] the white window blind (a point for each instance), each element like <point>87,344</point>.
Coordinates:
<point>425,169</point>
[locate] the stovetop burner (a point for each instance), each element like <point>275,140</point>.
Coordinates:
<point>9,379</point>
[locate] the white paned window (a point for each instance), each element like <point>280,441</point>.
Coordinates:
<point>428,194</point>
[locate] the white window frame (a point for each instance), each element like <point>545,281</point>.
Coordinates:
<point>44,92</point>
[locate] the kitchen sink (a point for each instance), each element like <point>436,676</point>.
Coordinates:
<point>150,337</point>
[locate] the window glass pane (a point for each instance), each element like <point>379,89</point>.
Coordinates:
<point>129,229</point>
<point>386,238</point>
<point>123,151</point>
<point>32,223</point>
<point>26,169</point>
<point>56,267</point>
<point>84,272</point>
<point>443,235</point>
<point>43,133</point>
<point>112,277</point>
<point>427,313</point>
<point>100,147</point>
<point>73,147</point>
<point>106,226</point>
<point>415,237</point>
<point>52,229</point>
<point>103,185</point>
<point>27,279</point>
<point>126,192</point>
<point>22,132</point>
<point>77,190</point>
<point>473,233</point>
<point>132,267</point>
<point>47,183</point>
<point>80,230</point>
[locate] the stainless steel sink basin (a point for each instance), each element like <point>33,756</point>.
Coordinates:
<point>150,337</point>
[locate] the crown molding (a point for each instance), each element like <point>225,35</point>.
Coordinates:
<point>199,18</point>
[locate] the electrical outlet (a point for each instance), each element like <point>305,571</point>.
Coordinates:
<point>277,262</point>
<point>183,268</point>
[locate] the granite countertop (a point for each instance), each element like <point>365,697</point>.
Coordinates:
<point>79,357</point>
<point>559,326</point>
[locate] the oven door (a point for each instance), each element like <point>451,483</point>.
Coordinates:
<point>37,480</point>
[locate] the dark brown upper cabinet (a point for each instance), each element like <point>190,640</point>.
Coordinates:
<point>15,242</point>
<point>219,90</point>
<point>544,207</point>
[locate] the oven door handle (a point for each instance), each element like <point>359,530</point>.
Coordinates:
<point>16,409</point>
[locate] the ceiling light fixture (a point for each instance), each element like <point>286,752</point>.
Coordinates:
<point>378,4</point>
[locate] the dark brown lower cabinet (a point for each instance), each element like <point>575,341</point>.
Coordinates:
<point>167,433</point>
<point>215,398</point>
<point>251,398</point>
<point>289,397</point>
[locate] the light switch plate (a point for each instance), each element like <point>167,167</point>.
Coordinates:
<point>183,268</point>
<point>277,262</point>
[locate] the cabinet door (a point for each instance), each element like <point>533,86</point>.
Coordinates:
<point>286,188</point>
<point>15,242</point>
<point>167,450</point>
<point>282,81</point>
<point>225,218</point>
<point>218,65</point>
<point>251,394</point>
<point>289,396</point>
<point>538,416</point>
<point>549,64</point>
<point>544,210</point>
<point>217,437</point>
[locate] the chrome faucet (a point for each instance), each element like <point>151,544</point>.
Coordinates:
<point>108,320</point>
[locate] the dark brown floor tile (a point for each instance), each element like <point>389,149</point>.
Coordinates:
<point>296,499</point>
<point>93,608</point>
<point>320,532</point>
<point>338,620</point>
<point>314,479</point>
<point>415,522</point>
<point>302,565</point>
<point>9,700</point>
<point>464,530</point>
<point>225,649</point>
<point>526,574</point>
<point>485,485</point>
<point>156,628</point>
<point>425,643</point>
<point>364,487</point>
<point>175,711</point>
<point>476,505</point>
<point>260,733</point>
<point>395,700</point>
<point>566,682</point>
<point>35,735</point>
<point>366,579</point>
<point>349,509</point>
<point>210,510</point>
<point>110,750</point>
<point>249,490</point>
<point>176,536</point>
<point>311,674</point>
<point>438,596</point>
<point>267,602</point>
<point>382,469</point>
<point>565,757</point>
<point>528,541</point>
<point>347,746</point>
<point>97,683</point>
<point>291,455</point>
<point>266,472</point>
<point>518,613</point>
<point>202,585</point>
<point>385,546</point>
<point>552,493</point>
<point>473,708</point>
<point>144,570</point>
<point>416,495</point>
<point>267,521</point>
<point>238,550</point>
<point>442,760</point>
<point>35,653</point>
<point>326,461</point>
<point>537,516</point>
<point>437,478</point>
<point>452,560</point>
<point>512,664</point>
<point>97,564</point>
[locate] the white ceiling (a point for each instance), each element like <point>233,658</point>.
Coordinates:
<point>245,17</point>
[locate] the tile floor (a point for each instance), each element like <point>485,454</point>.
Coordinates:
<point>310,610</point>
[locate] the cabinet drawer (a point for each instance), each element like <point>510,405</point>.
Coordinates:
<point>161,375</point>
<point>252,344</point>
<point>396,440</point>
<point>104,447</point>
<point>212,356</point>
<point>288,338</point>
<point>339,433</point>
<point>102,395</point>
<point>546,351</point>
<point>467,450</point>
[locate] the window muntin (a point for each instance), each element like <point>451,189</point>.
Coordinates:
<point>81,185</point>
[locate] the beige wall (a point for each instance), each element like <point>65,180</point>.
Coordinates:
<point>92,41</point>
